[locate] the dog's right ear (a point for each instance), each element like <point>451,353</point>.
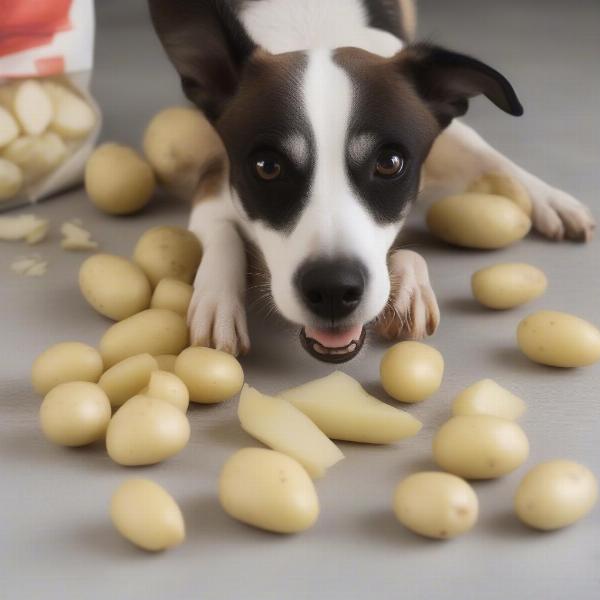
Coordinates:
<point>208,47</point>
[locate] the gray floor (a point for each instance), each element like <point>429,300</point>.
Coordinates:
<point>55,537</point>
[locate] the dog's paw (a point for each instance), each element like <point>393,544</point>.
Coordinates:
<point>412,311</point>
<point>218,321</point>
<point>557,215</point>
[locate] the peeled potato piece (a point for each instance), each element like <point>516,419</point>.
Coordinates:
<point>72,117</point>
<point>36,155</point>
<point>9,129</point>
<point>284,428</point>
<point>32,107</point>
<point>23,227</point>
<point>486,397</point>
<point>343,410</point>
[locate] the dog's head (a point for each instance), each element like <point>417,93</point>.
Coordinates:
<point>326,149</point>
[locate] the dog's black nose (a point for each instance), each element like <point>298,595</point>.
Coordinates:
<point>331,289</point>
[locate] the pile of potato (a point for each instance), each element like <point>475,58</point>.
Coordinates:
<point>178,143</point>
<point>42,122</point>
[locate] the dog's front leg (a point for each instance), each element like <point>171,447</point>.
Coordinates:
<point>412,311</point>
<point>217,313</point>
<point>460,155</point>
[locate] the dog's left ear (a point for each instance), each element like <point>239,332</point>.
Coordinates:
<point>446,80</point>
<point>208,47</point>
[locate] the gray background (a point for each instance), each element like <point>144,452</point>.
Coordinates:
<point>55,537</point>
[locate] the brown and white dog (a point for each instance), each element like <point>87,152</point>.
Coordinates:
<point>330,115</point>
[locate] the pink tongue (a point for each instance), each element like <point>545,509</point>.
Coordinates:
<point>334,339</point>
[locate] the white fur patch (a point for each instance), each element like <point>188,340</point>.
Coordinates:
<point>289,25</point>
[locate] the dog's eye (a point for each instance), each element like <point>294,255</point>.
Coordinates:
<point>389,163</point>
<point>267,167</point>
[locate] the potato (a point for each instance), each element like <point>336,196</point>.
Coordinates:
<point>508,285</point>
<point>23,227</point>
<point>279,425</point>
<point>504,185</point>
<point>168,387</point>
<point>145,431</point>
<point>146,515</point>
<point>36,156</point>
<point>436,505</point>
<point>32,107</point>
<point>411,371</point>
<point>480,446</point>
<point>63,362</point>
<point>75,413</point>
<point>166,362</point>
<point>179,142</point>
<point>127,378</point>
<point>118,180</point>
<point>9,129</point>
<point>172,294</point>
<point>486,397</point>
<point>558,339</point>
<point>75,237</point>
<point>168,252</point>
<point>342,410</point>
<point>11,179</point>
<point>481,221</point>
<point>114,286</point>
<point>155,331</point>
<point>555,494</point>
<point>72,117</point>
<point>211,376</point>
<point>268,490</point>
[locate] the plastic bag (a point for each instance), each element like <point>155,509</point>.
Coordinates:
<point>46,131</point>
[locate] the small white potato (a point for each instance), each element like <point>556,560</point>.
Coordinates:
<point>486,397</point>
<point>501,184</point>
<point>114,286</point>
<point>279,425</point>
<point>32,107</point>
<point>481,221</point>
<point>146,431</point>
<point>168,252</point>
<point>36,156</point>
<point>155,331</point>
<point>210,375</point>
<point>11,179</point>
<point>179,142</point>
<point>168,387</point>
<point>75,413</point>
<point>436,505</point>
<point>558,339</point>
<point>343,410</point>
<point>118,180</point>
<point>508,285</point>
<point>63,362</point>
<point>480,446</point>
<point>172,294</point>
<point>411,371</point>
<point>147,515</point>
<point>268,490</point>
<point>72,116</point>
<point>9,129</point>
<point>127,378</point>
<point>166,362</point>
<point>555,494</point>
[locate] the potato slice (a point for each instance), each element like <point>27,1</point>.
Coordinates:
<point>343,410</point>
<point>23,227</point>
<point>72,117</point>
<point>9,129</point>
<point>36,155</point>
<point>76,237</point>
<point>32,107</point>
<point>281,426</point>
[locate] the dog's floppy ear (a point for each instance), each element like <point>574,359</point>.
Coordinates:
<point>446,80</point>
<point>207,45</point>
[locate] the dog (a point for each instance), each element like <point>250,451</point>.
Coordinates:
<point>332,116</point>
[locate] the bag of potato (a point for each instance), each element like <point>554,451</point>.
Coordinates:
<point>49,122</point>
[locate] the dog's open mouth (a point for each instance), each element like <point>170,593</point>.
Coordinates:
<point>334,346</point>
